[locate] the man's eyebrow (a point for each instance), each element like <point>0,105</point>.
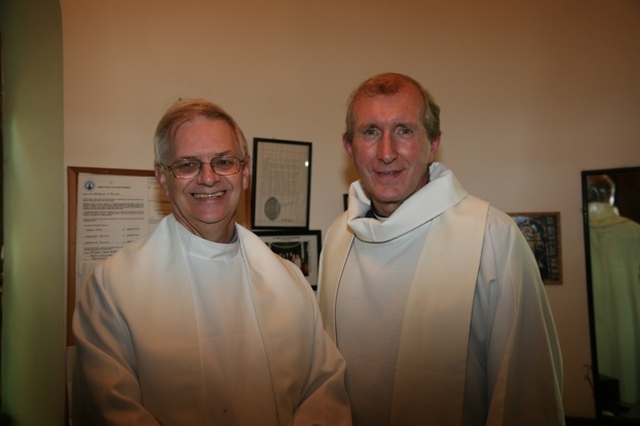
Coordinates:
<point>408,124</point>
<point>368,126</point>
<point>226,153</point>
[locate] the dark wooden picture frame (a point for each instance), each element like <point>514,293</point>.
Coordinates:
<point>542,232</point>
<point>300,247</point>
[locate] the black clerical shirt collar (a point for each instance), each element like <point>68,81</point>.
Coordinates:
<point>373,214</point>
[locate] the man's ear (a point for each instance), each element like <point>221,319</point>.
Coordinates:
<point>161,178</point>
<point>348,146</point>
<point>246,172</point>
<point>433,147</point>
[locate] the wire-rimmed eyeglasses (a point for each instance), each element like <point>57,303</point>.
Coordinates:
<point>188,168</point>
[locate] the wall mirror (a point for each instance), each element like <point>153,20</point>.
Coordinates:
<point>611,207</point>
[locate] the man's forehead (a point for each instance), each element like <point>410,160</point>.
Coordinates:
<point>387,110</point>
<point>223,140</point>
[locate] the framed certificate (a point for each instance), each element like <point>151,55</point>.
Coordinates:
<point>281,183</point>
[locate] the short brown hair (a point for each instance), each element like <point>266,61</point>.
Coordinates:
<point>389,84</point>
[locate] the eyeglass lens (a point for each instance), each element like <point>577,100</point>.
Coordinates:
<point>190,168</point>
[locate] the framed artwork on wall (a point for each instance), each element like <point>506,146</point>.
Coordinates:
<point>300,247</point>
<point>542,232</point>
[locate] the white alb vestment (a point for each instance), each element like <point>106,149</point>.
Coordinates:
<point>511,368</point>
<point>177,330</point>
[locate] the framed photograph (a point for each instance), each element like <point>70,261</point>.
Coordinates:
<point>542,232</point>
<point>281,183</point>
<point>300,247</point>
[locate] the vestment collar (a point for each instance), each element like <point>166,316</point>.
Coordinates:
<point>603,214</point>
<point>205,249</point>
<point>442,192</point>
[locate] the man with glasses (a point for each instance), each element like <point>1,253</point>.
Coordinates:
<point>200,323</point>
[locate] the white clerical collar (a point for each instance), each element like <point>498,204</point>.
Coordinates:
<point>202,248</point>
<point>441,193</point>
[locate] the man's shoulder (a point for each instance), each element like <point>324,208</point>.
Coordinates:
<point>340,221</point>
<point>338,230</point>
<point>267,264</point>
<point>498,216</point>
<point>154,245</point>
<point>498,224</point>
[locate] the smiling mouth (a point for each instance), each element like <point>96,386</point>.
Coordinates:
<point>208,196</point>
<point>387,173</point>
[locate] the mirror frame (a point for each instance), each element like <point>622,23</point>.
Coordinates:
<point>598,389</point>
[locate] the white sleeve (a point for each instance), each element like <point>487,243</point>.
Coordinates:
<point>324,400</point>
<point>514,369</point>
<point>105,389</point>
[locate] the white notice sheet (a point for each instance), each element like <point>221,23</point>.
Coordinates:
<point>113,210</point>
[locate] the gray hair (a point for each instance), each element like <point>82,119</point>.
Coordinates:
<point>183,111</point>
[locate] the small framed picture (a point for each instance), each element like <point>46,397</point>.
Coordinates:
<point>542,232</point>
<point>300,247</point>
<point>281,184</point>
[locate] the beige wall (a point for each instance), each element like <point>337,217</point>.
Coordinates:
<point>531,92</point>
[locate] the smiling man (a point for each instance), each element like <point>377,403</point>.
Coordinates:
<point>200,323</point>
<point>433,297</point>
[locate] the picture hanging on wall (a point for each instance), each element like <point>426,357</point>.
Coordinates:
<point>281,184</point>
<point>300,247</point>
<point>542,232</point>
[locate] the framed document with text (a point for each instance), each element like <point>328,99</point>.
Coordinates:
<point>108,208</point>
<point>281,183</point>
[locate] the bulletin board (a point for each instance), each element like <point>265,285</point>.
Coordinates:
<point>109,208</point>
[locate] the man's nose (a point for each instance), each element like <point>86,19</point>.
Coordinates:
<point>387,148</point>
<point>207,175</point>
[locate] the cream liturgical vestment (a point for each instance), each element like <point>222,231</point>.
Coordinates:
<point>177,330</point>
<point>440,313</point>
<point>615,276</point>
